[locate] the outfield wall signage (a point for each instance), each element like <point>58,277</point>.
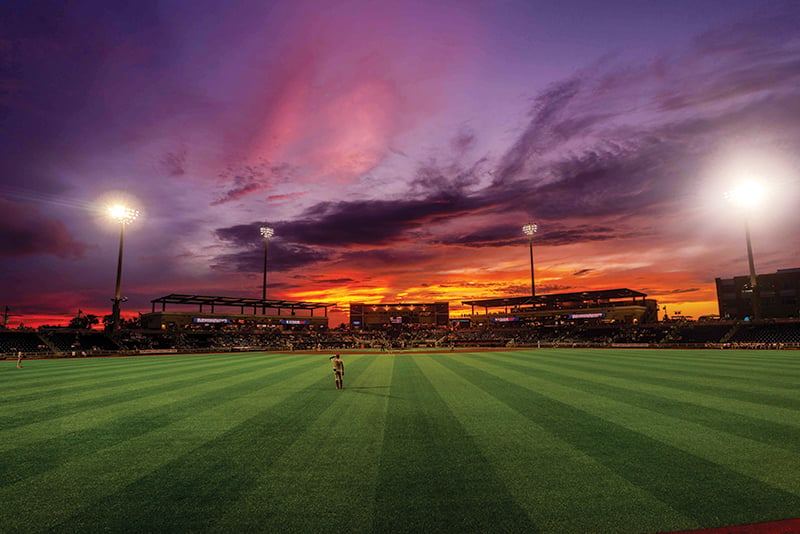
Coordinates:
<point>211,320</point>
<point>503,319</point>
<point>599,315</point>
<point>295,321</point>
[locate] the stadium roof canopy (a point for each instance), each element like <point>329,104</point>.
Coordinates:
<point>557,298</point>
<point>205,300</point>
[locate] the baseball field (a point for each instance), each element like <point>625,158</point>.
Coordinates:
<point>549,440</point>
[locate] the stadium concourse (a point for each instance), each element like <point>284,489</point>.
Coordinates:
<point>64,342</point>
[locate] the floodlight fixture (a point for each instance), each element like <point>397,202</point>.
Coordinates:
<point>748,195</point>
<point>266,233</point>
<point>123,214</point>
<point>530,229</point>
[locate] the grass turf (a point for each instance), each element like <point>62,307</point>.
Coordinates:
<point>525,441</point>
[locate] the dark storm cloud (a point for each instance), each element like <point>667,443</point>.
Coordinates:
<point>491,236</point>
<point>26,231</point>
<point>371,222</point>
<point>554,234</point>
<point>282,257</point>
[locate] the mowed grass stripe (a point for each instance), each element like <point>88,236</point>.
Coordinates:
<point>41,373</point>
<point>52,448</point>
<point>82,481</point>
<point>776,466</point>
<point>325,481</point>
<point>662,363</point>
<point>744,404</point>
<point>784,402</point>
<point>741,419</point>
<point>432,476</point>
<point>203,484</point>
<point>129,384</point>
<point>95,415</point>
<point>647,449</point>
<point>105,373</point>
<point>561,488</point>
<point>723,364</point>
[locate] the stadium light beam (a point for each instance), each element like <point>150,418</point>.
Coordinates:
<point>123,215</point>
<point>266,233</point>
<point>530,229</point>
<point>747,195</point>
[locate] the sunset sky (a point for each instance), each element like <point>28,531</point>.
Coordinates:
<point>397,148</point>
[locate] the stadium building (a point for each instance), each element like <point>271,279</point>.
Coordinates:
<point>374,316</point>
<point>618,306</point>
<point>241,312</point>
<point>778,295</point>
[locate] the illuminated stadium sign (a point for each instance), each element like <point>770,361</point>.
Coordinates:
<point>295,321</point>
<point>211,320</point>
<point>599,315</point>
<point>396,320</point>
<point>504,319</point>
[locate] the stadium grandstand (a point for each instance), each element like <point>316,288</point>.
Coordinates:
<point>616,318</point>
<point>255,313</point>
<point>778,295</point>
<point>614,306</point>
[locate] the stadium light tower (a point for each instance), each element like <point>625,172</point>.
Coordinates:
<point>123,215</point>
<point>530,229</point>
<point>266,233</point>
<point>747,196</point>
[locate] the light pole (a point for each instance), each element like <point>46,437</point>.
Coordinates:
<point>123,215</point>
<point>746,196</point>
<point>266,233</point>
<point>530,229</point>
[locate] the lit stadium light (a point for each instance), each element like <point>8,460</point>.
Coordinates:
<point>530,229</point>
<point>747,195</point>
<point>266,233</point>
<point>123,214</point>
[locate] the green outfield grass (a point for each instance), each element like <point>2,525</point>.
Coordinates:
<point>524,441</point>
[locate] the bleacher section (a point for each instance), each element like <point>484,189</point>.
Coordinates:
<point>12,342</point>
<point>81,341</point>
<point>700,333</point>
<point>769,333</point>
<point>69,342</point>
